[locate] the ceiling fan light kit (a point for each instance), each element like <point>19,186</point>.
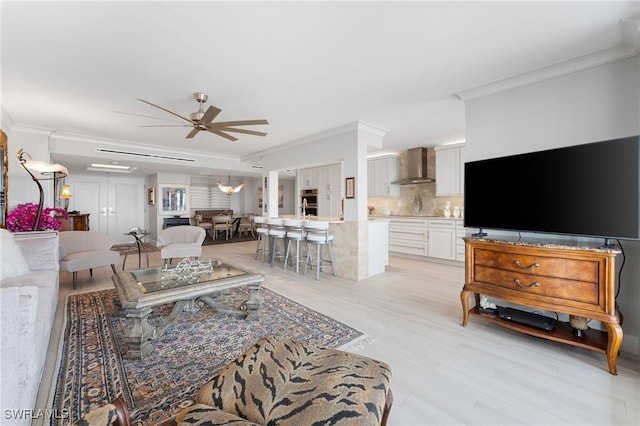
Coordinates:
<point>202,120</point>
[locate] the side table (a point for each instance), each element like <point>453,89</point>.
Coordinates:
<point>138,236</point>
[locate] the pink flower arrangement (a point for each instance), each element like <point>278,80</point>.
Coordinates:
<point>23,217</point>
<point>371,208</point>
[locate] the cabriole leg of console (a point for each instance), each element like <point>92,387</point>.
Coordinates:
<point>464,298</point>
<point>614,339</point>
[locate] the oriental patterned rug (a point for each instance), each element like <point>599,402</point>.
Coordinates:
<point>92,371</point>
<point>208,241</point>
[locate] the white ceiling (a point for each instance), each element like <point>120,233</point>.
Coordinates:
<point>76,68</point>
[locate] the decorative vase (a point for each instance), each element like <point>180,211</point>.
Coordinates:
<point>579,324</point>
<point>447,209</point>
<point>456,211</point>
<point>417,205</point>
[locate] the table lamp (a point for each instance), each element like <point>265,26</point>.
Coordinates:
<point>65,195</point>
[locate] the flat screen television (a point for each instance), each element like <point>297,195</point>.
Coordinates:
<point>588,190</point>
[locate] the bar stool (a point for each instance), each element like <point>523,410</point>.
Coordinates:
<point>277,232</point>
<point>318,234</point>
<point>262,229</point>
<point>295,232</point>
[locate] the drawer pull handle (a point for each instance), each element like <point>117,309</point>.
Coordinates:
<point>519,265</point>
<point>533,284</point>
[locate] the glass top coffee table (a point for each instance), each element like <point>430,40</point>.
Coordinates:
<point>189,285</point>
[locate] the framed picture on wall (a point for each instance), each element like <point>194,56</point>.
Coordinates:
<point>175,199</point>
<point>350,187</point>
<point>280,196</point>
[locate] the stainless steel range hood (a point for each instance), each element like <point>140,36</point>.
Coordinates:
<point>416,167</point>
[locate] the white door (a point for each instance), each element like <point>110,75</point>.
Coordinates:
<point>114,204</point>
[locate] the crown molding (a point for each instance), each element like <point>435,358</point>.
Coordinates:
<point>580,63</point>
<point>351,127</point>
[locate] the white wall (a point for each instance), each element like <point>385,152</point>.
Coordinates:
<point>595,104</point>
<point>592,105</point>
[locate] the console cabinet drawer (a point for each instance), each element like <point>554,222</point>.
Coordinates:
<point>560,267</point>
<point>539,286</point>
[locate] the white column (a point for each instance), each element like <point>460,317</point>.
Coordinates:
<point>270,194</point>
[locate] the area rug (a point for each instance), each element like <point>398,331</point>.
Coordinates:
<point>92,371</point>
<point>208,241</point>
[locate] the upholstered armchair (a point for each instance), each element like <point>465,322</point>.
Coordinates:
<point>279,381</point>
<point>80,250</point>
<point>115,413</point>
<point>181,242</point>
<point>282,381</point>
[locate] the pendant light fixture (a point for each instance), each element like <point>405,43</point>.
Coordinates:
<point>228,188</point>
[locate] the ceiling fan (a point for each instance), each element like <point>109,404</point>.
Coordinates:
<point>202,120</point>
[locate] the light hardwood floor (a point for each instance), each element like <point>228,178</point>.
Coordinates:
<point>443,373</point>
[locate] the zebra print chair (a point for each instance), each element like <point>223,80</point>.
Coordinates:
<point>279,381</point>
<point>114,413</point>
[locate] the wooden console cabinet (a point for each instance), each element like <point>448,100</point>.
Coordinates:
<point>76,222</point>
<point>568,280</point>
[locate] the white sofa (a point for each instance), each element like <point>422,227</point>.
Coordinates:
<point>29,280</point>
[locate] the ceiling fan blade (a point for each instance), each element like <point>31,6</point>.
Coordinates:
<point>166,110</point>
<point>248,132</point>
<point>221,133</point>
<point>211,113</point>
<point>193,132</point>
<point>239,123</point>
<point>167,125</point>
<point>145,116</point>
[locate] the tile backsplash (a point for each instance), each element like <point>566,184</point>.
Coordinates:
<point>403,205</point>
<point>432,205</point>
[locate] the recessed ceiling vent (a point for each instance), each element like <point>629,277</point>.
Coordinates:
<point>140,154</point>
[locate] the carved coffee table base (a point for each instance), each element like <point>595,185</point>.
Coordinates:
<point>140,291</point>
<point>142,333</point>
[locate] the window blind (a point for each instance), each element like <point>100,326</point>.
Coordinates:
<point>208,197</point>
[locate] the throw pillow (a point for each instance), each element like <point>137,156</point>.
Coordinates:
<point>12,261</point>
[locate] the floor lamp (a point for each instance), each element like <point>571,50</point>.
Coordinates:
<point>47,170</point>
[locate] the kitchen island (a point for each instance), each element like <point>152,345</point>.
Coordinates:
<point>347,235</point>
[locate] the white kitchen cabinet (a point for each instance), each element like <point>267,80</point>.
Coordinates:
<point>460,234</point>
<point>330,178</point>
<point>382,172</point>
<point>309,178</point>
<point>450,169</point>
<point>330,204</point>
<point>442,239</point>
<point>429,237</point>
<point>409,236</point>
<point>378,246</point>
<point>330,190</point>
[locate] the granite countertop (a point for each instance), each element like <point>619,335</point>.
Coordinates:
<point>380,216</point>
<point>324,218</point>
<point>535,242</point>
